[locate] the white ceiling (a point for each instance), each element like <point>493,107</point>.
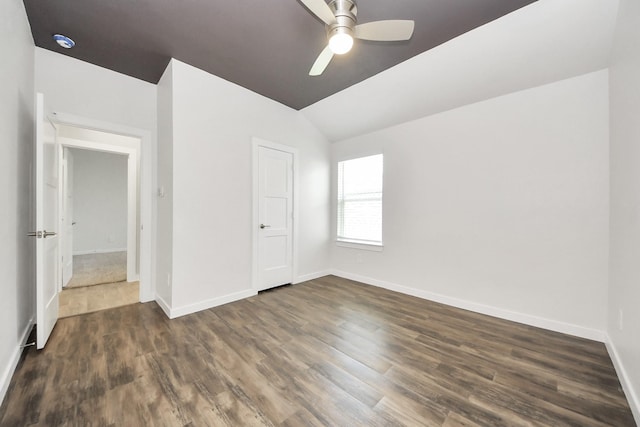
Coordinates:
<point>547,41</point>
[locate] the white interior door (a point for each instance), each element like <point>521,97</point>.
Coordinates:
<point>275,200</point>
<point>47,261</point>
<point>66,221</point>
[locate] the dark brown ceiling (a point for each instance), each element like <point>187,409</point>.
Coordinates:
<point>267,46</point>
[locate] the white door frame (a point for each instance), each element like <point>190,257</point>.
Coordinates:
<point>255,219</point>
<point>64,219</point>
<point>147,286</point>
<point>132,193</point>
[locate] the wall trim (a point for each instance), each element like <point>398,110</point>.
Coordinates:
<point>147,182</point>
<point>172,313</point>
<point>625,381</point>
<point>100,251</point>
<point>8,372</point>
<point>539,322</point>
<point>132,151</point>
<point>311,276</point>
<point>164,306</point>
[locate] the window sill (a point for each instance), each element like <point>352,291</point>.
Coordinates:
<point>358,245</point>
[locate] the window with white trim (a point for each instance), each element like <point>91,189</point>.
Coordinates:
<point>360,200</point>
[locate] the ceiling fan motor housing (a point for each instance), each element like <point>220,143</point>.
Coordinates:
<point>345,12</point>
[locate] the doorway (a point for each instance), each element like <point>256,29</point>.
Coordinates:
<point>99,217</point>
<point>48,180</point>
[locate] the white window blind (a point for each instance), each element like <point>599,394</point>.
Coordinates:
<point>360,200</point>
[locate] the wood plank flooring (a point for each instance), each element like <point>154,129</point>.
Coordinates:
<point>329,352</point>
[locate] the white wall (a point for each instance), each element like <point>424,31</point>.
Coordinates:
<point>17,259</point>
<point>624,288</point>
<point>164,237</point>
<point>213,123</point>
<point>76,87</point>
<point>499,206</point>
<point>99,202</point>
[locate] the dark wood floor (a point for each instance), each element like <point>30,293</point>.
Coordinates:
<point>326,352</point>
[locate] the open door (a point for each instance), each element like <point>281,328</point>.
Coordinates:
<point>47,261</point>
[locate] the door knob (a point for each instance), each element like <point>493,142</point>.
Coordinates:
<point>46,233</point>
<point>264,226</point>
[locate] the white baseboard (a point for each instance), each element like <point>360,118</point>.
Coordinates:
<point>7,374</point>
<point>311,276</point>
<point>146,296</point>
<point>100,251</point>
<point>625,381</point>
<point>164,306</point>
<point>552,325</point>
<point>172,313</point>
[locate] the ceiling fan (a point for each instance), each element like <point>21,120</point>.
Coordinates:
<point>341,17</point>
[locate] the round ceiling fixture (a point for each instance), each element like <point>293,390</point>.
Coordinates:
<point>64,41</point>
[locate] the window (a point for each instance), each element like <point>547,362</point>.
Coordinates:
<point>360,200</point>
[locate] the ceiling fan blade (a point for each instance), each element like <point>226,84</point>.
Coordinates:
<point>321,63</point>
<point>321,10</point>
<point>385,31</point>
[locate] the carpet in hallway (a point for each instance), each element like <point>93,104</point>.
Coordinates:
<point>95,269</point>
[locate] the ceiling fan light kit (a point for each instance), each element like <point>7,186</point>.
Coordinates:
<point>340,33</point>
<point>340,17</point>
<point>341,43</point>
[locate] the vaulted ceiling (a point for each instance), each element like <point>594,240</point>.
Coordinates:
<point>265,46</point>
<point>542,43</point>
